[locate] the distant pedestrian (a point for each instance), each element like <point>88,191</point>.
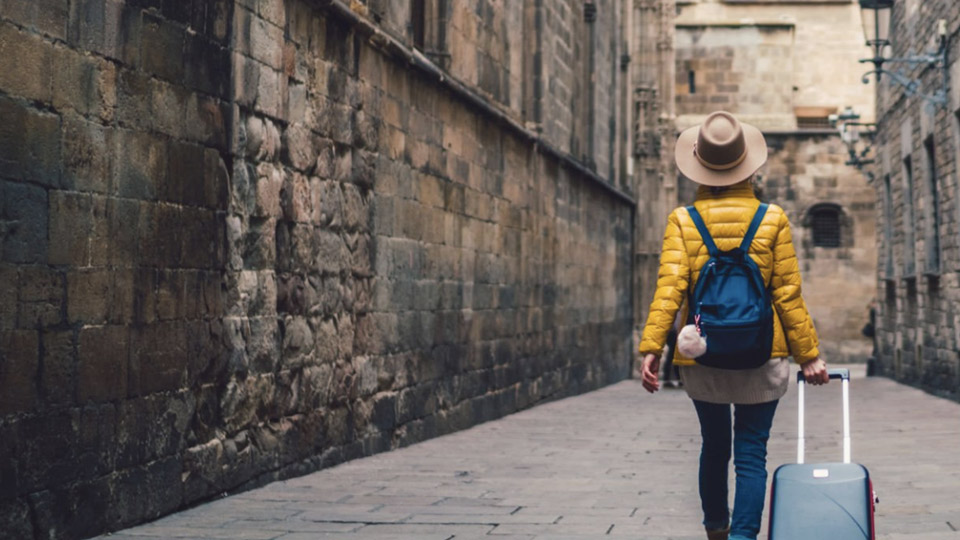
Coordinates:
<point>869,331</point>
<point>723,155</point>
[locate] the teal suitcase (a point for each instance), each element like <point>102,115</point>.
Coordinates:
<point>827,501</point>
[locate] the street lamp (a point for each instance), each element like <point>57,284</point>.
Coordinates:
<point>875,15</point>
<point>849,128</point>
<point>876,18</point>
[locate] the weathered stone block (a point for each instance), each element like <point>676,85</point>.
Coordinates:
<point>29,142</point>
<point>203,237</point>
<point>24,64</point>
<point>300,147</point>
<point>171,293</point>
<point>71,218</point>
<point>327,203</point>
<point>134,100</point>
<point>80,509</point>
<point>333,255</point>
<point>268,185</point>
<point>142,164</point>
<point>216,180</point>
<point>9,287</point>
<point>296,199</point>
<point>47,450</point>
<point>297,248</point>
<point>102,353</point>
<point>18,370</point>
<point>58,381</point>
<point>202,470</point>
<point>41,297</point>
<point>366,130</point>
<point>45,16</point>
<point>149,490</point>
<point>259,244</point>
<point>76,82</point>
<point>15,518</point>
<point>272,93</point>
<point>185,174</point>
<point>89,295</point>
<point>87,155</point>
<point>158,358</point>
<point>263,344</point>
<point>297,342</point>
<point>23,222</point>
<point>161,228</point>
<point>110,28</point>
<point>207,65</point>
<point>123,216</point>
<point>162,48</point>
<point>246,79</point>
<point>356,209</point>
<point>361,255</point>
<point>168,105</point>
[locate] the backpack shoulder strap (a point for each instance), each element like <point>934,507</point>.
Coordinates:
<point>754,225</point>
<point>702,228</point>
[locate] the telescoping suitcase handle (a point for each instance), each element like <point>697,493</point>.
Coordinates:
<point>844,375</point>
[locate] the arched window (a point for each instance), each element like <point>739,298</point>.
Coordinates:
<point>825,222</point>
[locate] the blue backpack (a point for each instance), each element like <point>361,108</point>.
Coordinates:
<point>730,304</point>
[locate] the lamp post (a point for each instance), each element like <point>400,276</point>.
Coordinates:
<point>849,127</point>
<point>876,18</point>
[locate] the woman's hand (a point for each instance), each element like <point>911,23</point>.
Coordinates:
<point>815,372</point>
<point>650,373</point>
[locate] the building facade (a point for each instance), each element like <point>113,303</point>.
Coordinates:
<point>785,67</point>
<point>652,136</point>
<point>916,183</point>
<point>243,240</point>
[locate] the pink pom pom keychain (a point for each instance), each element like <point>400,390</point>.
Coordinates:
<point>690,341</point>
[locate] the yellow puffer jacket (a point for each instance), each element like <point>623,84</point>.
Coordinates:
<point>727,216</point>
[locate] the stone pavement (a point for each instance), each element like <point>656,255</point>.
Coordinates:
<point>616,462</point>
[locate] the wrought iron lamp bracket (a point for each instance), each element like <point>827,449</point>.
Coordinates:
<point>912,86</point>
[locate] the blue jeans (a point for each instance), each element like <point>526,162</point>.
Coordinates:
<point>750,432</point>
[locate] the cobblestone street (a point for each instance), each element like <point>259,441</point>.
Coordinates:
<point>615,462</point>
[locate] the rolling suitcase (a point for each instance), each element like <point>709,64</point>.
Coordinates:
<point>827,501</point>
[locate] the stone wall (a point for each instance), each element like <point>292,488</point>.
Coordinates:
<point>746,69</point>
<point>804,171</point>
<point>783,56</point>
<point>651,137</point>
<point>916,200</point>
<point>242,241</point>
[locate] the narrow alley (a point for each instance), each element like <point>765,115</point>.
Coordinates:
<point>615,462</point>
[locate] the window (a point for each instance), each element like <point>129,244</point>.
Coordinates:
<point>825,224</point>
<point>931,211</point>
<point>692,81</point>
<point>418,22</point>
<point>813,122</point>
<point>428,29</point>
<point>909,254</point>
<point>887,227</point>
<point>813,117</point>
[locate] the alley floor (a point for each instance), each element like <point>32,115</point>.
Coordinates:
<point>616,462</point>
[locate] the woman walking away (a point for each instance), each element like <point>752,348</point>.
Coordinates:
<point>728,261</point>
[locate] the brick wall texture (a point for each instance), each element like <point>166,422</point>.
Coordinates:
<point>916,199</point>
<point>240,242</point>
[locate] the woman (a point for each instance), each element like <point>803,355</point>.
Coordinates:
<point>722,155</point>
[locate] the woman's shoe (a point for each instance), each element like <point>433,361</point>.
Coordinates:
<point>718,534</point>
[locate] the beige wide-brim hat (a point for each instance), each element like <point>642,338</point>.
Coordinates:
<point>721,151</point>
